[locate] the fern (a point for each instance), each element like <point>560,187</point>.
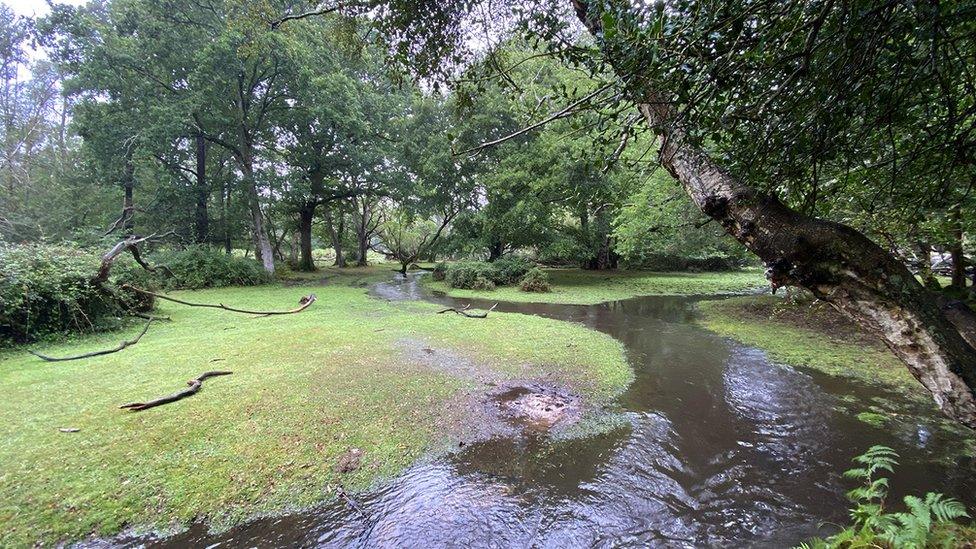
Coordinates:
<point>872,527</point>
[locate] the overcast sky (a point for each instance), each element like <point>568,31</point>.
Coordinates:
<point>36,7</point>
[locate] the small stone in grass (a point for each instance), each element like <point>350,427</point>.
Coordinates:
<point>69,429</point>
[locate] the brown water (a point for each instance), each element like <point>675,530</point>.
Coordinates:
<point>719,447</point>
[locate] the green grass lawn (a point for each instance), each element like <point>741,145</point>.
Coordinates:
<point>581,287</point>
<point>306,388</point>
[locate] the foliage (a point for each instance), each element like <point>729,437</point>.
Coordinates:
<point>193,268</point>
<point>439,272</point>
<point>510,270</point>
<point>921,526</point>
<point>535,280</point>
<point>480,275</point>
<point>46,289</point>
<point>465,274</point>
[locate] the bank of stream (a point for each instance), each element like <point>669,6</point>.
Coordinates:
<point>715,446</point>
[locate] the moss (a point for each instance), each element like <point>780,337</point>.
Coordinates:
<point>873,418</point>
<point>580,287</point>
<point>306,388</point>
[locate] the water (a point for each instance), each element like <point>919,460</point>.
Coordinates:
<point>720,448</point>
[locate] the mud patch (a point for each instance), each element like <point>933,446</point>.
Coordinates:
<point>538,408</point>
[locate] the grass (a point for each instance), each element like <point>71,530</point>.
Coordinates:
<point>808,336</point>
<point>306,388</point>
<point>581,287</point>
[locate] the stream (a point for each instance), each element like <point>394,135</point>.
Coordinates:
<point>719,447</point>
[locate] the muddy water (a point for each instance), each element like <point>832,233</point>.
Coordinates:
<point>719,447</point>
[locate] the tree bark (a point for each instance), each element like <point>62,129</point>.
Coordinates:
<point>262,246</point>
<point>925,266</point>
<point>835,262</point>
<point>128,182</point>
<point>495,251</point>
<point>201,217</point>
<point>335,235</point>
<point>362,233</point>
<point>306,214</point>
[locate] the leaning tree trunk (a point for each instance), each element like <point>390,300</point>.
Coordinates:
<point>835,262</point>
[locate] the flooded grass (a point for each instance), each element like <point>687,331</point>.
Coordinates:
<point>307,390</point>
<point>581,287</point>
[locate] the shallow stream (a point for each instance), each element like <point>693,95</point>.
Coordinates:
<point>719,447</point>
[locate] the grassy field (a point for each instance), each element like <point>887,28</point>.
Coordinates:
<point>306,388</point>
<point>580,287</point>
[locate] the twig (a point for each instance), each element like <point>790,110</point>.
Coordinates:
<point>194,387</point>
<point>348,499</point>
<point>305,302</point>
<point>121,346</point>
<point>464,311</point>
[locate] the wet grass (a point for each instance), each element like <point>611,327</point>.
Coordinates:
<point>815,337</point>
<point>811,336</point>
<point>306,388</point>
<point>581,287</point>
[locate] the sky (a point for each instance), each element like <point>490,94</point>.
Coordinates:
<point>36,7</point>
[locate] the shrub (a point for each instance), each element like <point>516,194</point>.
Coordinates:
<point>482,283</point>
<point>536,280</point>
<point>510,270</point>
<point>47,290</point>
<point>193,268</point>
<point>463,274</point>
<point>440,272</point>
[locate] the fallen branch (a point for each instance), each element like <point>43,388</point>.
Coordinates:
<point>122,345</point>
<point>305,302</point>
<point>464,311</point>
<point>194,387</point>
<point>351,502</point>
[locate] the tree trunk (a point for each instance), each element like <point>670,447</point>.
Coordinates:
<point>128,208</point>
<point>305,217</point>
<point>495,251</point>
<point>262,246</point>
<point>835,262</point>
<point>201,217</point>
<point>335,235</point>
<point>225,195</point>
<point>925,266</point>
<point>362,233</point>
<point>956,252</point>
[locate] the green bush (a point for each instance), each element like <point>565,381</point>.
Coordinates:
<point>193,268</point>
<point>502,272</point>
<point>47,290</point>
<point>482,283</point>
<point>535,280</point>
<point>440,272</point>
<point>464,274</point>
<point>510,270</point>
